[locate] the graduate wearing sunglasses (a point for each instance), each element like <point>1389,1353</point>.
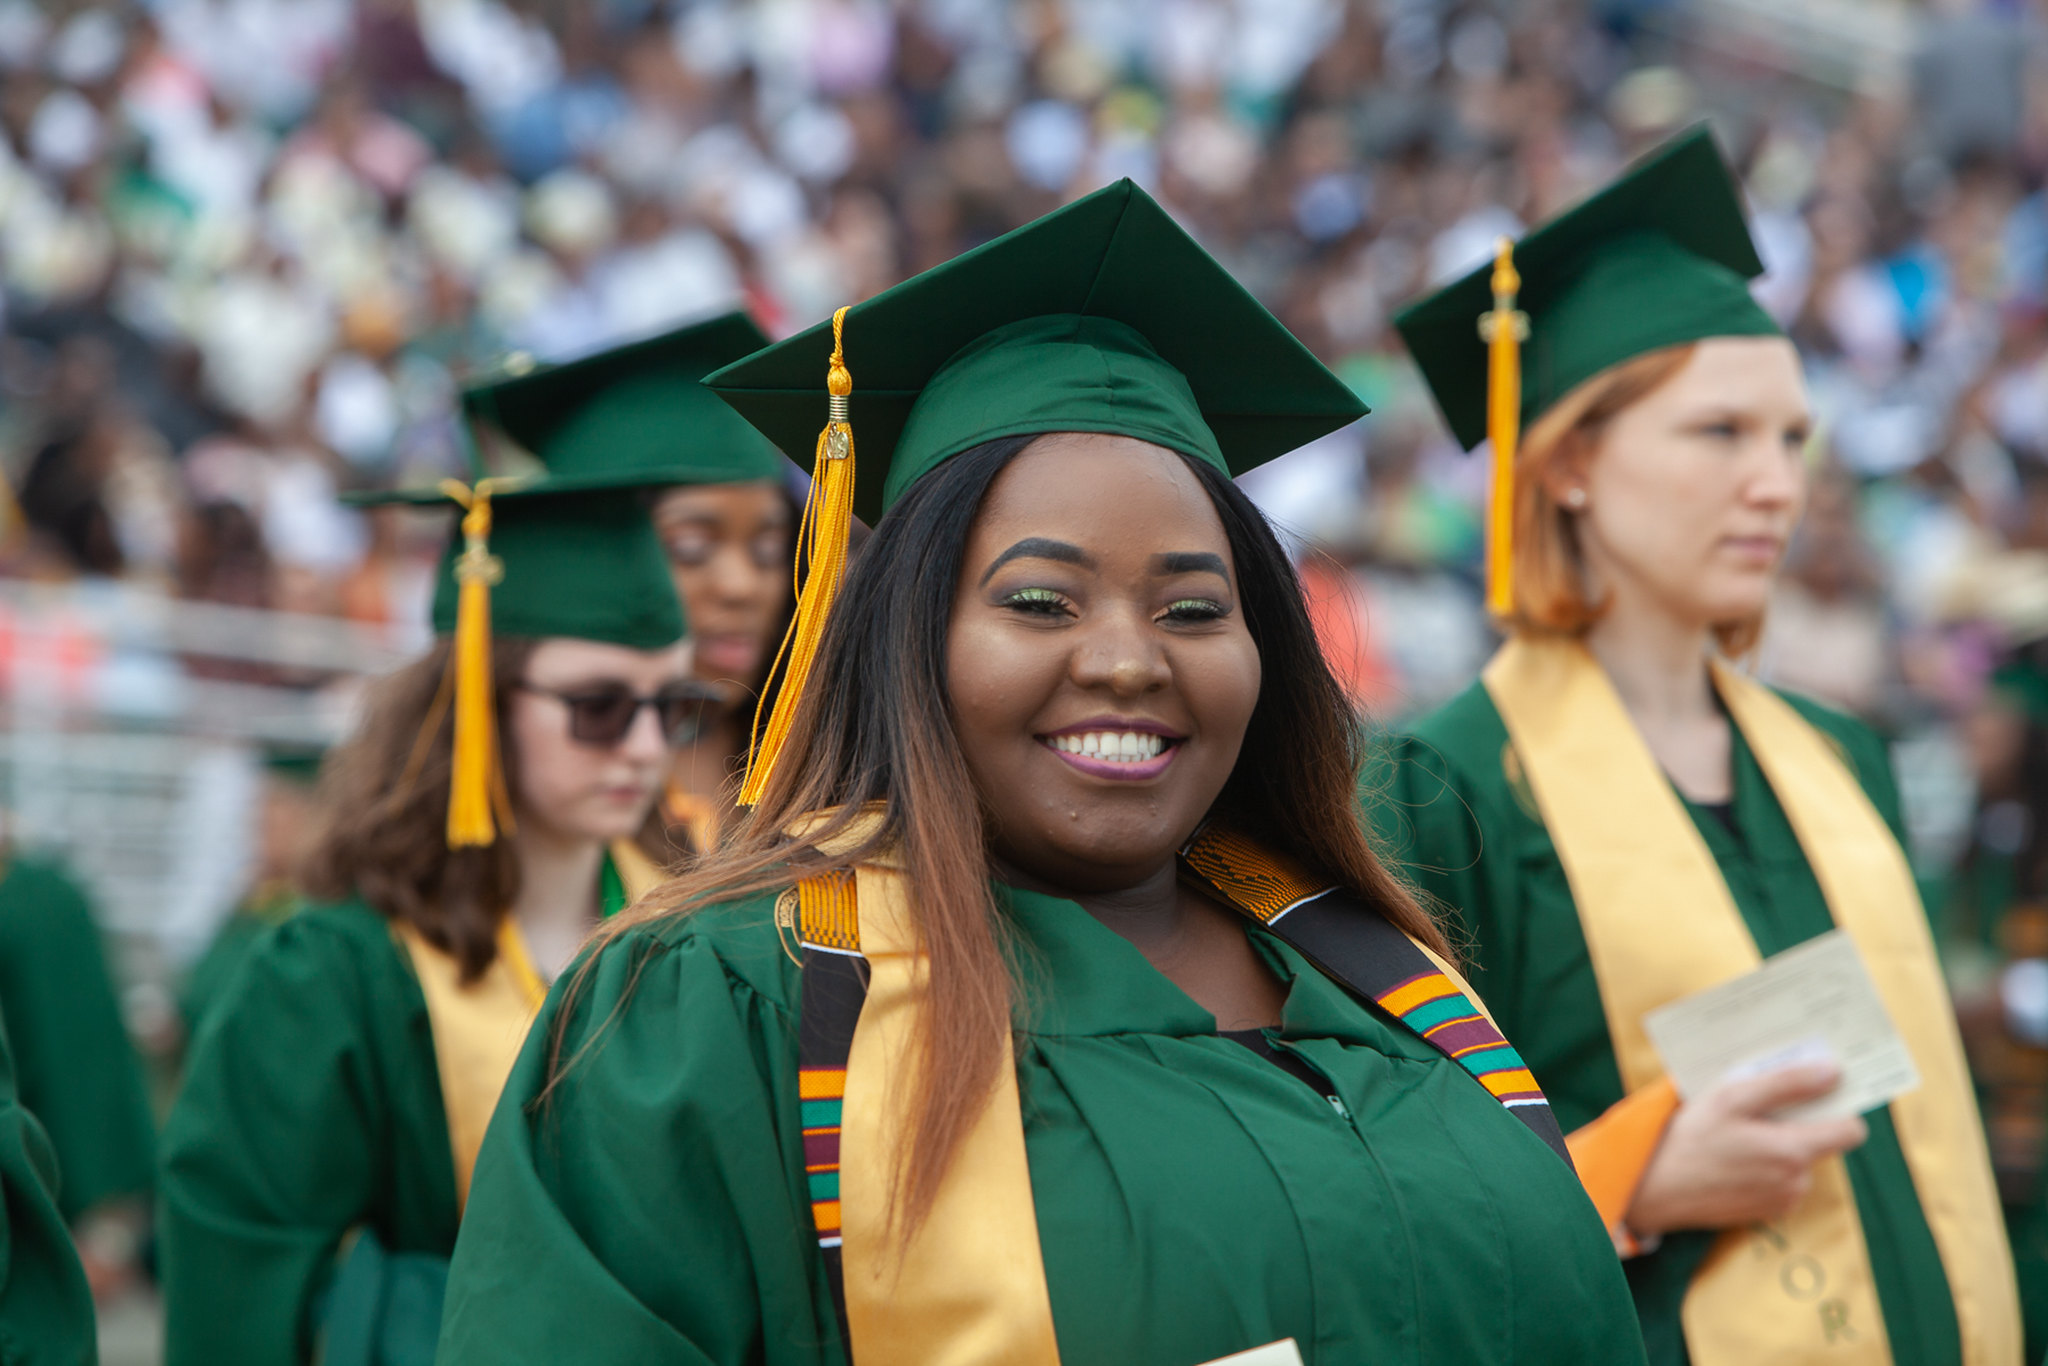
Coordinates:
<point>636,416</point>
<point>497,800</point>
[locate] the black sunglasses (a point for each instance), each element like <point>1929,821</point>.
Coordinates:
<point>603,714</point>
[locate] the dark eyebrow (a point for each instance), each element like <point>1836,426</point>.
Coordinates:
<point>1191,562</point>
<point>1041,548</point>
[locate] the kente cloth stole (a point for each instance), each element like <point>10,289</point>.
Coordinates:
<point>1359,949</point>
<point>478,1026</point>
<point>1660,923</point>
<point>968,1288</point>
<point>971,1288</point>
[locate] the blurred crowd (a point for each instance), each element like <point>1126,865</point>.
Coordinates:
<point>250,250</point>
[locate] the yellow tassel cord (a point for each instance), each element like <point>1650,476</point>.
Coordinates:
<point>820,565</point>
<point>1503,329</point>
<point>476,787</point>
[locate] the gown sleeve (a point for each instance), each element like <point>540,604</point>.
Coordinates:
<point>46,1313</point>
<point>271,1153</point>
<point>649,1208</point>
<point>75,1067</point>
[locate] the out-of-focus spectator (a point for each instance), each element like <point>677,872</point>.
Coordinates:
<point>1828,635</point>
<point>286,822</point>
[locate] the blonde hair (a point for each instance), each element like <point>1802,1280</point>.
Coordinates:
<point>1549,565</point>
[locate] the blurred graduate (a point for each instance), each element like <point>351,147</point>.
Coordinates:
<point>46,1309</point>
<point>635,416</point>
<point>74,1066</point>
<point>498,798</point>
<point>1619,817</point>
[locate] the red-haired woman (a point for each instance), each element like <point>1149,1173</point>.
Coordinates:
<point>1619,818</point>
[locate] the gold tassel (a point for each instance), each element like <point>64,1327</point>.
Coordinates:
<point>1503,329</point>
<point>477,782</point>
<point>820,565</point>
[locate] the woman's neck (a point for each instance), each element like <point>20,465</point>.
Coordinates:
<point>558,895</point>
<point>1658,666</point>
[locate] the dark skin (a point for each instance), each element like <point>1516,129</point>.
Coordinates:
<point>729,549</point>
<point>1098,597</point>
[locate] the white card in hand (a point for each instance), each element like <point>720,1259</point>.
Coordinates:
<point>1813,1002</point>
<point>1281,1353</point>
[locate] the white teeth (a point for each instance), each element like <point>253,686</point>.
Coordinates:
<point>1123,747</point>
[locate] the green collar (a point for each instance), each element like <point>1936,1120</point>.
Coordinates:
<point>1080,978</point>
<point>611,888</point>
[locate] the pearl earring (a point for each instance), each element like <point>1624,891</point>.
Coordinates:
<point>1575,498</point>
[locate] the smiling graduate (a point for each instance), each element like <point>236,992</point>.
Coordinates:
<point>1050,1005</point>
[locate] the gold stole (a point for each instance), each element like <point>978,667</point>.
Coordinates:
<point>968,1287</point>
<point>479,1026</point>
<point>1660,924</point>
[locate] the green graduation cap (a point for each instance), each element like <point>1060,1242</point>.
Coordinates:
<point>1661,257</point>
<point>1103,316</point>
<point>582,564</point>
<point>534,561</point>
<point>633,415</point>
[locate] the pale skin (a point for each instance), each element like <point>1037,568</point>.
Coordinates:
<point>573,799</point>
<point>729,547</point>
<point>1684,503</point>
<point>1098,593</point>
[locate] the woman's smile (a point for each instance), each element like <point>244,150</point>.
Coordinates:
<point>1125,750</point>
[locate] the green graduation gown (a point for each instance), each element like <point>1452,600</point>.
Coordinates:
<point>1469,836</point>
<point>46,1315</point>
<point>311,1107</point>
<point>207,983</point>
<point>74,1064</point>
<point>1193,1199</point>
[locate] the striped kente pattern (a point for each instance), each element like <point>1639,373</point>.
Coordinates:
<point>1255,879</point>
<point>821,1091</point>
<point>828,919</point>
<point>829,911</point>
<point>1431,1004</point>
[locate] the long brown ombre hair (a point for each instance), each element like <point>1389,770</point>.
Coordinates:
<point>1549,564</point>
<point>385,795</point>
<point>874,726</point>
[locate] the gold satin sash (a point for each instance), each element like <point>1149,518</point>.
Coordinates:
<point>478,1027</point>
<point>1660,923</point>
<point>968,1287</point>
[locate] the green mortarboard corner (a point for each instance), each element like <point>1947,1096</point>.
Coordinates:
<point>2025,686</point>
<point>633,415</point>
<point>293,762</point>
<point>1103,316</point>
<point>1661,257</point>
